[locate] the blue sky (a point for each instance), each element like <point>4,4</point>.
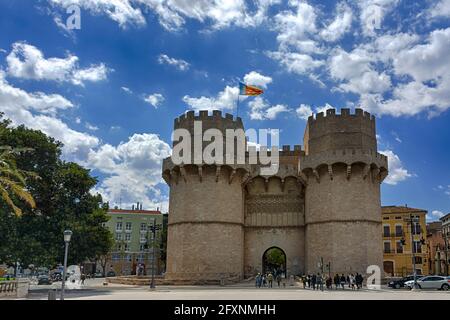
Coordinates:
<point>110,90</point>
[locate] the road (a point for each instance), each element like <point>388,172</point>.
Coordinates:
<point>95,290</point>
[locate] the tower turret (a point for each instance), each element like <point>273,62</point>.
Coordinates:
<point>342,199</point>
<point>206,220</point>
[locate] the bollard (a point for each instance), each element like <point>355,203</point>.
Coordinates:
<point>52,294</point>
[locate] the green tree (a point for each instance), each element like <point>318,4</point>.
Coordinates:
<point>63,201</point>
<point>275,257</point>
<point>12,180</point>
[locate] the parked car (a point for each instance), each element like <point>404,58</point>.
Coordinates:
<point>111,274</point>
<point>98,275</point>
<point>44,279</point>
<point>430,282</point>
<point>400,283</point>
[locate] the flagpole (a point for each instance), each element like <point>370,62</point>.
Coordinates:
<point>237,106</point>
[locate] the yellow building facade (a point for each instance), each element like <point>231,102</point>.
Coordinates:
<point>404,237</point>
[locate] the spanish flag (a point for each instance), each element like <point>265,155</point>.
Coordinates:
<point>246,90</point>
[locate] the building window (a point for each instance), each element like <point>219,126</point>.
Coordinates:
<point>127,247</point>
<point>128,226</point>
<point>398,231</point>
<point>386,231</point>
<point>119,226</point>
<point>143,227</point>
<point>119,247</point>
<point>128,237</point>
<point>142,247</point>
<point>418,260</point>
<point>143,238</point>
<point>128,257</point>
<point>141,257</point>
<point>387,247</point>
<point>417,248</point>
<point>118,236</point>
<point>416,228</point>
<point>399,247</point>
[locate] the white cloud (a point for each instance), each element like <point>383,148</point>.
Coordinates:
<point>257,79</point>
<point>63,26</point>
<point>441,9</point>
<point>435,215</point>
<point>304,111</point>
<point>177,63</point>
<point>127,90</point>
<point>260,109</point>
<point>28,62</point>
<point>397,172</point>
<point>272,112</point>
<point>294,62</point>
<point>373,13</point>
<point>426,65</point>
<point>356,74</point>
<point>90,127</point>
<point>324,108</point>
<point>296,27</point>
<point>225,100</point>
<point>38,111</point>
<point>340,25</point>
<point>121,11</point>
<point>14,98</point>
<point>172,14</point>
<point>154,99</point>
<point>132,169</point>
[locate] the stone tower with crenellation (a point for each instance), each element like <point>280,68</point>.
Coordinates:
<point>323,203</point>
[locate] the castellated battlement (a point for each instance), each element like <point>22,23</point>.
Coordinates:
<point>345,112</point>
<point>338,131</point>
<point>209,120</point>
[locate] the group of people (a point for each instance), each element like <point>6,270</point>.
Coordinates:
<point>317,281</point>
<point>266,280</point>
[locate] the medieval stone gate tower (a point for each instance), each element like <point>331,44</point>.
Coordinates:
<point>323,203</point>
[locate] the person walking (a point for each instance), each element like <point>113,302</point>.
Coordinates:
<point>270,279</point>
<point>278,278</point>
<point>313,281</point>
<point>304,281</point>
<point>359,280</point>
<point>308,280</point>
<point>343,282</point>
<point>336,280</point>
<point>83,277</point>
<point>329,283</point>
<point>258,280</point>
<point>352,281</point>
<point>263,280</point>
<point>319,282</point>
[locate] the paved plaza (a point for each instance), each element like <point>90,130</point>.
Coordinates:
<point>95,290</point>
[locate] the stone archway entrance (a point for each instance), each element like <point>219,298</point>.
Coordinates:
<point>274,260</point>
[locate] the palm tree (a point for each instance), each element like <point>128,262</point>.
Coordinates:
<point>12,180</point>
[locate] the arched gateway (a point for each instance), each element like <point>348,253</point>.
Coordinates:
<point>274,261</point>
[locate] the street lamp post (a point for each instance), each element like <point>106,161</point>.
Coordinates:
<point>412,220</point>
<point>67,236</point>
<point>153,229</point>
